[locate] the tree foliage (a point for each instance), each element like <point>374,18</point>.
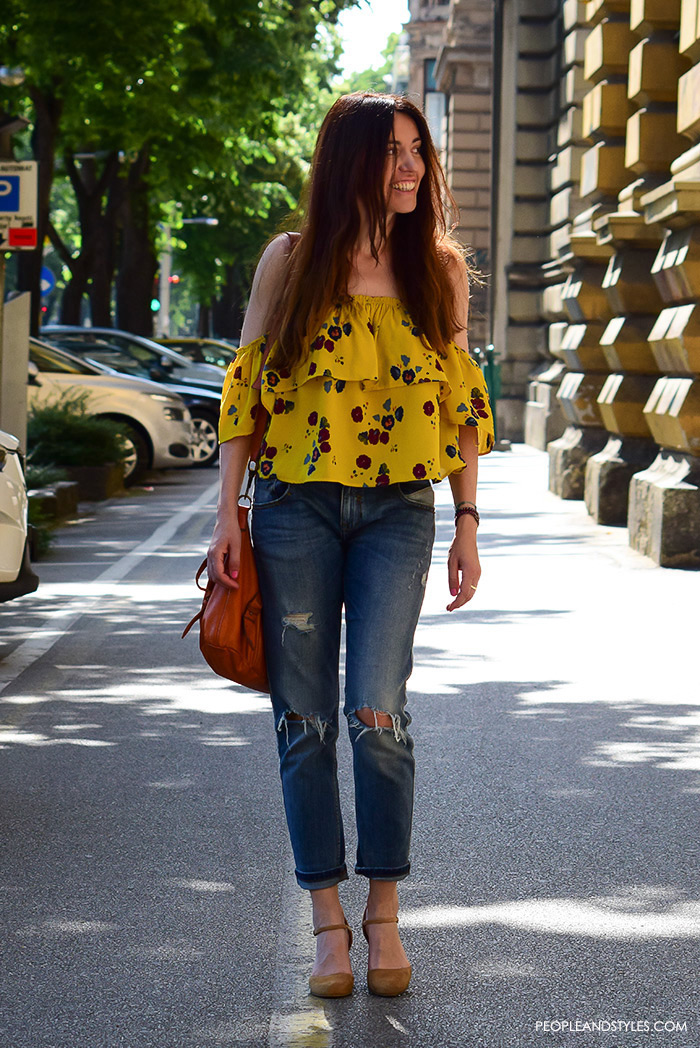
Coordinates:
<point>153,110</point>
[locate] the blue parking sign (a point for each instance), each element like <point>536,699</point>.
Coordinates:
<point>9,193</point>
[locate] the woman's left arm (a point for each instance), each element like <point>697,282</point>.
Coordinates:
<point>463,566</point>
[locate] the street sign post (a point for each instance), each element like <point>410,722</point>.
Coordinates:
<point>48,281</point>
<point>18,193</point>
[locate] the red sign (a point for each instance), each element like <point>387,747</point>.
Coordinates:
<point>21,237</point>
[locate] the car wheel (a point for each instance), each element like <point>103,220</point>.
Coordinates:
<point>137,458</point>
<point>205,444</point>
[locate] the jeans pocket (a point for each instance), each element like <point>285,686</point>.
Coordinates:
<point>269,491</point>
<point>417,493</point>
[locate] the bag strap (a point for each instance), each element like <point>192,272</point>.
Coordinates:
<point>261,418</point>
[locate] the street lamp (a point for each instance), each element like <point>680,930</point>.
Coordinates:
<point>165,265</point>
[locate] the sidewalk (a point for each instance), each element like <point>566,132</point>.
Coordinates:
<point>565,600</point>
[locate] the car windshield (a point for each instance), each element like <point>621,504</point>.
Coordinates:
<point>52,360</point>
<point>111,351</point>
<point>221,357</point>
<point>208,352</point>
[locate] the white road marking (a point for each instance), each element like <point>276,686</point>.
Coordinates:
<point>58,623</point>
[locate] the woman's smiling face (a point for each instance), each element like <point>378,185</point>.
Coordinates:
<point>404,166</point>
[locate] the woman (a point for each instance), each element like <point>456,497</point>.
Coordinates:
<point>355,342</point>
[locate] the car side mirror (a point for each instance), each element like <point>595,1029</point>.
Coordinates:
<point>33,374</point>
<point>167,364</point>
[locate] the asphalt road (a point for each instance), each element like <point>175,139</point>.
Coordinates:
<point>146,880</point>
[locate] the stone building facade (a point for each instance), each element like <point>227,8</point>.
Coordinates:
<point>593,220</point>
<point>450,78</point>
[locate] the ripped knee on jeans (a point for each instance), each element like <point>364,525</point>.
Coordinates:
<point>374,719</point>
<point>377,720</point>
<point>312,719</point>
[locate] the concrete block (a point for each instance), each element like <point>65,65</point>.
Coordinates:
<point>568,457</point>
<point>509,418</point>
<point>544,420</point>
<point>689,103</point>
<point>44,499</point>
<point>608,475</point>
<point>650,16</point>
<point>66,498</point>
<point>664,511</point>
<point>96,483</point>
<point>654,69</point>
<point>578,394</point>
<point>621,402</point>
<point>652,142</point>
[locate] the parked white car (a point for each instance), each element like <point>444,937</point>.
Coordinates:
<point>16,575</point>
<point>157,422</point>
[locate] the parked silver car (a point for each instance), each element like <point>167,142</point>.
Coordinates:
<point>16,575</point>
<point>199,385</point>
<point>133,355</point>
<point>156,420</point>
<point>201,350</point>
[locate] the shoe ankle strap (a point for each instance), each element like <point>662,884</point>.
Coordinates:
<point>331,928</point>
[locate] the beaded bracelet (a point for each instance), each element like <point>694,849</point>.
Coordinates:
<point>466,502</point>
<point>467,511</point>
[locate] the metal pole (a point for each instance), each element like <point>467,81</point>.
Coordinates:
<point>492,373</point>
<point>165,265</point>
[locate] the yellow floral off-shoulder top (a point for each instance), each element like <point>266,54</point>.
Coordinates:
<point>371,405</point>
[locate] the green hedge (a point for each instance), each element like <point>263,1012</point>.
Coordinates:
<point>62,432</point>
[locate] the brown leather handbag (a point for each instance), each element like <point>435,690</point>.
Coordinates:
<point>230,620</point>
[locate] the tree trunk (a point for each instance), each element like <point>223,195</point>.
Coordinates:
<point>228,310</point>
<point>103,272</point>
<point>72,297</point>
<point>47,111</point>
<point>93,270</point>
<point>203,318</point>
<point>138,263</point>
<point>104,245</point>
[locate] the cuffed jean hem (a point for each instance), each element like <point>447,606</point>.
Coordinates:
<point>314,881</point>
<point>379,873</point>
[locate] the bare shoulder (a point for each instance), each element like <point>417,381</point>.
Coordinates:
<point>268,283</point>
<point>273,261</point>
<point>456,268</point>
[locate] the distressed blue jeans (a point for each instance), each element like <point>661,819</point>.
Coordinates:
<point>321,547</point>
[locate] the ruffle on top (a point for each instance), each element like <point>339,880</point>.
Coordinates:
<point>368,385</point>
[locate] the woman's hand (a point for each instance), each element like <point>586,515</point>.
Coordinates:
<point>463,568</point>
<point>224,553</point>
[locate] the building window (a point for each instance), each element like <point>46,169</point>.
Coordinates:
<point>435,104</point>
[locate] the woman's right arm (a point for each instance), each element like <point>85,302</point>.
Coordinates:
<point>223,555</point>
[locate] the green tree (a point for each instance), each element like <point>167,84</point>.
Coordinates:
<point>251,199</point>
<point>144,101</point>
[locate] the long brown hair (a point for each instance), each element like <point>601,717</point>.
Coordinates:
<point>347,172</point>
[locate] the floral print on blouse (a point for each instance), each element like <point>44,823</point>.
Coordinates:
<point>371,405</point>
